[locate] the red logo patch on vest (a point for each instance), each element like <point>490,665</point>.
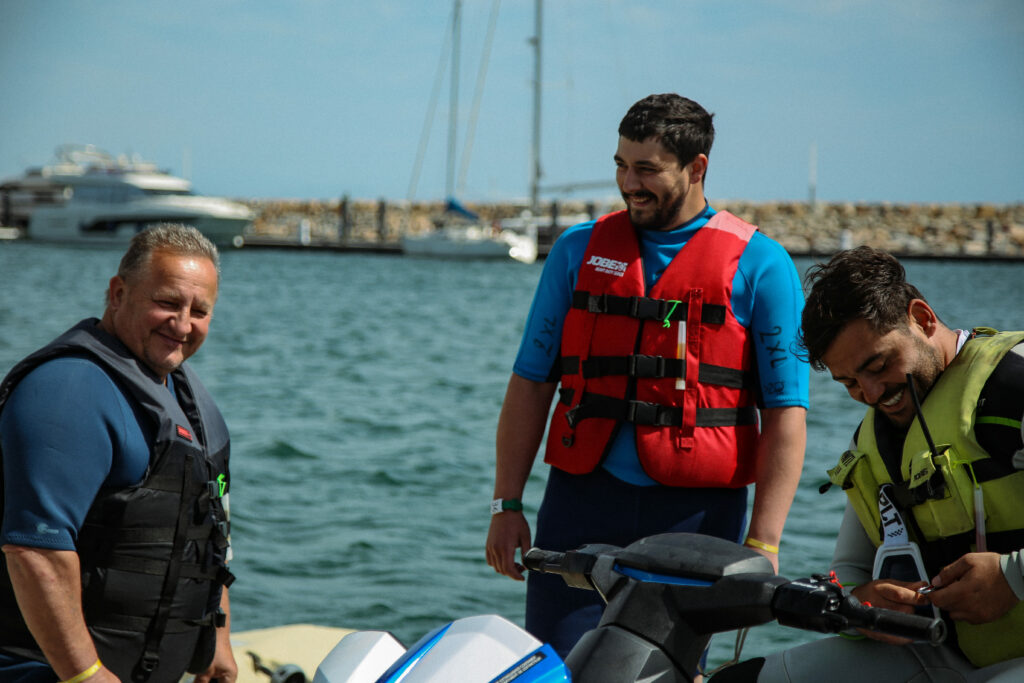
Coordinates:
<point>184,433</point>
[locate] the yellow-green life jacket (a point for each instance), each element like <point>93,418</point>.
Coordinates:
<point>937,489</point>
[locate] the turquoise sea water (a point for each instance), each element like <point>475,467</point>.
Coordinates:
<point>362,393</point>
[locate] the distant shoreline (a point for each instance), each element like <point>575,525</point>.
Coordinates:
<point>981,231</point>
<point>965,232</point>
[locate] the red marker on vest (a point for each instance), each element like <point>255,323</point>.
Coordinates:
<point>184,433</point>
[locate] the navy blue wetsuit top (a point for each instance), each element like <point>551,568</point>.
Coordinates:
<point>766,298</point>
<point>66,432</point>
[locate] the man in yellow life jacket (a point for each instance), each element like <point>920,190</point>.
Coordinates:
<point>935,477</point>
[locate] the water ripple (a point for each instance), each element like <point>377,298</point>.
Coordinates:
<point>362,393</point>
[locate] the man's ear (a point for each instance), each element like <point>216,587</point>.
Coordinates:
<point>698,168</point>
<point>115,292</point>
<point>923,316</point>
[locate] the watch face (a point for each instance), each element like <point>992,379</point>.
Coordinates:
<point>496,506</point>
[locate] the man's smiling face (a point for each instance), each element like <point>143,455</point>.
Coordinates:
<point>655,186</point>
<point>163,313</point>
<point>873,367</point>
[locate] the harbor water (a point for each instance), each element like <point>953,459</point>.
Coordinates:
<point>362,393</point>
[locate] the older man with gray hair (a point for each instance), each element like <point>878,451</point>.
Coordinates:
<point>113,506</point>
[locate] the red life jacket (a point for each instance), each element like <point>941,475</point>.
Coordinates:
<point>692,404</point>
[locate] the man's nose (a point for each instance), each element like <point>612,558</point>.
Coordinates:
<point>181,322</point>
<point>629,180</point>
<point>871,390</point>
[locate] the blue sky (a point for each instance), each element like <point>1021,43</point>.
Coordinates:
<point>907,101</point>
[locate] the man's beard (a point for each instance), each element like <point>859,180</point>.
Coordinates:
<point>663,214</point>
<point>924,375</point>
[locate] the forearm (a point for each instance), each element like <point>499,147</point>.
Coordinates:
<point>854,554</point>
<point>223,668</point>
<point>224,657</point>
<point>520,430</point>
<point>780,458</point>
<point>225,606</point>
<point>47,585</point>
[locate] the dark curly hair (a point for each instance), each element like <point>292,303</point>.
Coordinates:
<point>862,283</point>
<point>681,125</point>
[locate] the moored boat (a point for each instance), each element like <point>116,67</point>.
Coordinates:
<point>89,197</point>
<point>459,234</point>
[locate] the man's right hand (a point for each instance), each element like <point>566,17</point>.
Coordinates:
<point>509,530</point>
<point>900,596</point>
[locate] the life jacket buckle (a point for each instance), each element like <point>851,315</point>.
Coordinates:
<point>646,366</point>
<point>645,308</point>
<point>217,487</point>
<point>225,577</point>
<point>571,417</point>
<point>145,667</point>
<point>643,413</point>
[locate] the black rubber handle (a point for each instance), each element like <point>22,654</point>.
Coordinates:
<point>914,626</point>
<point>544,561</point>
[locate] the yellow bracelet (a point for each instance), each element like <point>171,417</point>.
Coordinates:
<point>85,674</point>
<point>761,545</point>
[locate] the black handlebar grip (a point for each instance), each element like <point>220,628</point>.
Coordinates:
<point>545,561</point>
<point>914,626</point>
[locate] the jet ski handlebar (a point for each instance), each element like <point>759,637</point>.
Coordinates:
<point>817,603</point>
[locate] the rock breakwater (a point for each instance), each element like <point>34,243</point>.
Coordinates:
<point>922,230</point>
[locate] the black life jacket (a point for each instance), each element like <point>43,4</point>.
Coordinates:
<point>152,555</point>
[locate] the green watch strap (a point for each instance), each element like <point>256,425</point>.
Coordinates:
<point>499,505</point>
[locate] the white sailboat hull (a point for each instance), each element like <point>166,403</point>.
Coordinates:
<point>472,242</point>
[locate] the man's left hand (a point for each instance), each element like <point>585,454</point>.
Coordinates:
<point>223,669</point>
<point>973,589</point>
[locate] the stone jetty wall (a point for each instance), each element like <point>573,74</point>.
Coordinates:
<point>940,230</point>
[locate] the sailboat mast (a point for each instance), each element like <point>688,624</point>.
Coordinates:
<point>535,171</point>
<point>453,112</point>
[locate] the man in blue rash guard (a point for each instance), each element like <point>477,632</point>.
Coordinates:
<point>625,468</point>
<point>114,481</point>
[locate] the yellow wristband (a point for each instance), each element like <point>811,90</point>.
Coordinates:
<point>761,545</point>
<point>85,674</point>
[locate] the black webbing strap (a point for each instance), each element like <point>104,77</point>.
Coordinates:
<point>988,469</point>
<point>639,365</point>
<point>150,659</point>
<point>128,622</point>
<point>142,565</point>
<point>653,414</point>
<point>136,535</point>
<point>643,308</point>
<point>957,545</point>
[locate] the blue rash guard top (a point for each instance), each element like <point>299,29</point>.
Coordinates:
<point>767,299</point>
<point>68,454</point>
<point>67,475</point>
